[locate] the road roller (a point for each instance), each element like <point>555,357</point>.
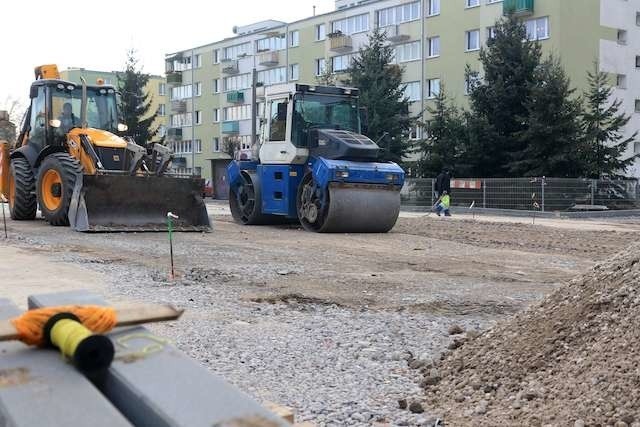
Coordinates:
<point>313,165</point>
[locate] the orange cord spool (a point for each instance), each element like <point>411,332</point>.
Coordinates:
<point>30,325</point>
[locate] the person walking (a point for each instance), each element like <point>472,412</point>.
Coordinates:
<point>443,192</point>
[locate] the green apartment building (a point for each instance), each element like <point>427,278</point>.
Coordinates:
<point>434,40</point>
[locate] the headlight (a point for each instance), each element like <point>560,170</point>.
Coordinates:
<point>342,174</point>
<point>390,177</point>
<point>122,127</point>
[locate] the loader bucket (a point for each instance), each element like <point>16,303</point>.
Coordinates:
<point>103,203</point>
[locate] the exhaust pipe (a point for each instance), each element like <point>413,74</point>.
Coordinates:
<point>83,111</point>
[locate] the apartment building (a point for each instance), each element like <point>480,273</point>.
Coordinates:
<point>434,40</point>
<point>156,87</point>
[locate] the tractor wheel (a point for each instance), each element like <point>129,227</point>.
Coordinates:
<point>56,180</point>
<point>22,186</point>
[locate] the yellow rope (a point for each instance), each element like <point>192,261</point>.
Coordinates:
<point>67,335</point>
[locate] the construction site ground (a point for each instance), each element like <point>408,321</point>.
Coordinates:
<point>335,326</point>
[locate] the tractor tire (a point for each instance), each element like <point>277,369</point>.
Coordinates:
<point>22,191</point>
<point>56,180</point>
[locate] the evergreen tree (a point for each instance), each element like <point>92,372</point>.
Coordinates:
<point>443,138</point>
<point>135,102</point>
<point>551,138</point>
<point>383,95</point>
<point>604,142</point>
<point>499,102</point>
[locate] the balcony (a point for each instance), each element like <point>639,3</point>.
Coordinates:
<point>235,97</point>
<point>174,134</point>
<point>231,127</point>
<point>229,66</point>
<point>268,59</point>
<point>339,42</point>
<point>174,77</point>
<point>395,34</point>
<point>518,7</point>
<point>179,106</point>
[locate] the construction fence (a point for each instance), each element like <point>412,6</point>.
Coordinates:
<point>541,194</point>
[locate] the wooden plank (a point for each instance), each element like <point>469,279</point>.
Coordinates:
<point>37,387</point>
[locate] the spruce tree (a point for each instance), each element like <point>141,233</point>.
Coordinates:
<point>604,142</point>
<point>383,95</point>
<point>135,102</point>
<point>551,138</point>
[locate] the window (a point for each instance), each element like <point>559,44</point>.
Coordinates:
<point>621,81</point>
<point>412,91</point>
<point>321,66</point>
<point>236,51</point>
<point>239,82</point>
<point>341,63</point>
<point>237,112</point>
<point>472,40</point>
<point>321,32</point>
<point>351,25</point>
<point>472,3</point>
<point>162,131</point>
<point>433,7</point>
<point>182,64</point>
<point>216,56</point>
<point>538,29</point>
<point>216,115</point>
<point>398,15</point>
<point>407,52</point>
<point>415,133</point>
<point>198,61</point>
<point>181,120</point>
<point>294,72</point>
<point>622,37</point>
<point>434,47</point>
<point>471,82</point>
<point>198,146</point>
<point>215,144</point>
<point>198,89</point>
<point>637,105</point>
<point>216,85</point>
<point>637,61</point>
<point>433,88</point>
<point>278,126</point>
<point>162,110</point>
<point>162,89</point>
<point>273,76</point>
<point>491,33</point>
<point>638,19</point>
<point>294,38</point>
<point>181,92</point>
<point>272,43</point>
<point>198,115</point>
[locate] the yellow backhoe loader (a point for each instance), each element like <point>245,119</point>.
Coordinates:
<point>70,160</point>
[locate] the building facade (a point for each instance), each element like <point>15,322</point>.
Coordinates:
<point>156,88</point>
<point>434,40</point>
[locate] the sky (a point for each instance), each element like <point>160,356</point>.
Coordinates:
<point>97,34</point>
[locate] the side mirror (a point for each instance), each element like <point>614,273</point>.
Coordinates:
<point>282,111</point>
<point>33,92</point>
<point>364,120</point>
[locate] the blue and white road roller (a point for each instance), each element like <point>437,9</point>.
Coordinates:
<point>315,166</point>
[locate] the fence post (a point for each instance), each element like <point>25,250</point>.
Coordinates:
<point>594,183</point>
<point>542,184</point>
<point>484,193</point>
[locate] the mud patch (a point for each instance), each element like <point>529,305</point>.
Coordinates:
<point>294,299</point>
<point>464,308</point>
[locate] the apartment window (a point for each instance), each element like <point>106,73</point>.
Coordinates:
<point>239,82</point>
<point>471,82</point>
<point>216,144</point>
<point>321,66</point>
<point>415,133</point>
<point>407,52</point>
<point>294,38</point>
<point>472,40</point>
<point>273,76</point>
<point>216,85</point>
<point>162,110</point>
<point>216,56</point>
<point>399,14</point>
<point>433,88</point>
<point>433,7</point>
<point>622,37</point>
<point>491,33</point>
<point>238,112</point>
<point>198,146</point>
<point>341,63</point>
<point>621,81</point>
<point>637,61</point>
<point>472,3</point>
<point>321,32</point>
<point>198,115</point>
<point>637,105</point>
<point>272,43</point>
<point>198,61</point>
<point>162,131</point>
<point>412,91</point>
<point>181,120</point>
<point>236,51</point>
<point>538,29</point>
<point>294,72</point>
<point>351,25</point>
<point>162,89</point>
<point>181,92</point>
<point>638,19</point>
<point>434,47</point>
<point>216,115</point>
<point>198,89</point>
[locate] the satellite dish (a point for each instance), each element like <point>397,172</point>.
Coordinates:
<point>235,29</point>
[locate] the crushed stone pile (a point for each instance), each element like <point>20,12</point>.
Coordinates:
<point>571,360</point>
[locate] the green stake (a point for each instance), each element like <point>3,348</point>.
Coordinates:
<point>4,217</point>
<point>170,218</point>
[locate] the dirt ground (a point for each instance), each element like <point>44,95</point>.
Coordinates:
<point>482,269</point>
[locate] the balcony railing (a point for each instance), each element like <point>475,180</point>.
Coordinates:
<point>235,97</point>
<point>229,66</point>
<point>231,127</point>
<point>268,59</point>
<point>174,134</point>
<point>179,106</point>
<point>395,34</point>
<point>340,42</point>
<point>518,7</point>
<point>174,77</point>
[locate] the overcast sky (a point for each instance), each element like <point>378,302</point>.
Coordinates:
<point>96,34</point>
